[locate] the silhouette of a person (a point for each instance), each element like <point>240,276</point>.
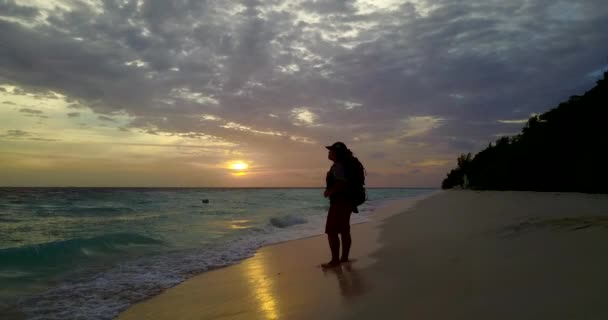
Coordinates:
<point>341,204</point>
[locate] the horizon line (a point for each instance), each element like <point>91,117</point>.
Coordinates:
<point>184,187</point>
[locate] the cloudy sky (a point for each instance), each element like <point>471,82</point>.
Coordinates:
<point>175,93</point>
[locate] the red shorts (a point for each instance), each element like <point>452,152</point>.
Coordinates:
<point>338,216</point>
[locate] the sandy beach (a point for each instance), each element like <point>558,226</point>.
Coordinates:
<point>454,255</point>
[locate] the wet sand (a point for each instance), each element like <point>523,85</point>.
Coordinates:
<point>455,255</point>
<point>492,255</point>
<point>282,281</point>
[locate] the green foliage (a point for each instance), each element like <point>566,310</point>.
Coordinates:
<point>564,149</point>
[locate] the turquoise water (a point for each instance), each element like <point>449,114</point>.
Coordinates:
<point>68,253</point>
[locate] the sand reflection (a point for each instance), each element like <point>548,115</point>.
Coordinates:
<point>349,280</point>
<point>263,288</point>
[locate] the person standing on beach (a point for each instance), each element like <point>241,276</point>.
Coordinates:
<point>340,204</point>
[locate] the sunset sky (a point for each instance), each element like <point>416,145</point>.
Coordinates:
<point>247,93</point>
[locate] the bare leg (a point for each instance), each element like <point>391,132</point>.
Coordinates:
<point>334,246</point>
<point>346,242</point>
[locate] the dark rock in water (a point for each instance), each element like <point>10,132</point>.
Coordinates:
<point>205,201</point>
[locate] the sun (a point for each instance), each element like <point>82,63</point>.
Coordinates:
<point>239,166</point>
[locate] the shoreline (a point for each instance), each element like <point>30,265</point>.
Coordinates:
<point>124,287</point>
<point>455,255</point>
<point>378,215</point>
<point>314,252</point>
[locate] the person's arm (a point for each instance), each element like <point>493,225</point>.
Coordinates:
<point>341,184</point>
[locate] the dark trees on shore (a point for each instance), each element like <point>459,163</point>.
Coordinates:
<point>564,149</point>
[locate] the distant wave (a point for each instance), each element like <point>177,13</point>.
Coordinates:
<point>100,210</point>
<point>2,219</point>
<point>286,221</point>
<point>323,207</point>
<point>55,254</point>
<point>85,211</point>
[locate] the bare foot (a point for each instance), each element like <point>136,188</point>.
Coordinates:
<point>331,264</point>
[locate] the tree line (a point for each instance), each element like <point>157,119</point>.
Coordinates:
<point>564,149</point>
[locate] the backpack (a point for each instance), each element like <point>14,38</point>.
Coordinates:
<point>355,175</point>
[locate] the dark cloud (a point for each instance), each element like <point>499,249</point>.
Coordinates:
<point>30,111</point>
<point>378,155</point>
<point>73,114</point>
<point>325,7</point>
<point>76,106</point>
<point>43,139</point>
<point>105,118</point>
<point>15,134</point>
<point>9,8</point>
<point>9,102</point>
<point>20,134</point>
<point>166,63</point>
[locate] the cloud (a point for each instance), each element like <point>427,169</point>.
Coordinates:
<point>433,77</point>
<point>24,135</point>
<point>240,127</point>
<point>303,116</point>
<point>33,113</point>
<point>75,106</point>
<point>431,163</point>
<point>30,111</point>
<point>9,8</point>
<point>419,125</point>
<point>73,114</point>
<point>324,7</point>
<point>105,118</point>
<point>42,139</point>
<point>378,155</point>
<point>16,134</point>
<point>500,135</point>
<point>519,121</point>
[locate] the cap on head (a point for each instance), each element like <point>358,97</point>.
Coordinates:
<point>338,146</point>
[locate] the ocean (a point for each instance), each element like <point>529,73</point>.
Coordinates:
<point>89,253</point>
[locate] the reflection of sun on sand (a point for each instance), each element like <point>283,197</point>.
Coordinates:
<point>262,287</point>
